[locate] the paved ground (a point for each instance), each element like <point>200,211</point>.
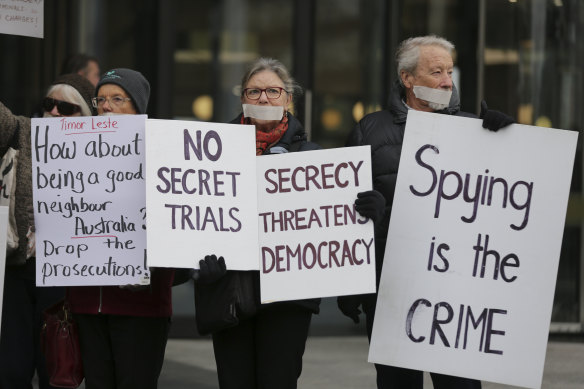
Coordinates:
<point>335,356</point>
<point>340,362</point>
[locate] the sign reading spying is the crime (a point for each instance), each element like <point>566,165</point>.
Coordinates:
<point>313,243</point>
<point>472,250</point>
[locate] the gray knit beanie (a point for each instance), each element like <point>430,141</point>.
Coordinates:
<point>133,82</point>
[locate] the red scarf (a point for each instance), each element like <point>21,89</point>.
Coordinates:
<point>265,140</point>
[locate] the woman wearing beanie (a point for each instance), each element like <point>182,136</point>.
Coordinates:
<point>23,302</point>
<point>123,330</point>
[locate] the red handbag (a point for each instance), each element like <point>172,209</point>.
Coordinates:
<point>60,344</point>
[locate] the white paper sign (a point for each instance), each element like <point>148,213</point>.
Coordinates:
<point>473,248</point>
<point>89,200</point>
<point>201,193</point>
<point>22,17</point>
<point>3,236</point>
<point>313,243</point>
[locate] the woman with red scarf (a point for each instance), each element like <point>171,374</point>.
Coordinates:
<point>265,350</point>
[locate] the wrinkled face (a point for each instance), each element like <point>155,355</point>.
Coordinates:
<point>112,93</point>
<point>264,80</point>
<point>54,111</point>
<point>434,71</point>
<point>91,72</point>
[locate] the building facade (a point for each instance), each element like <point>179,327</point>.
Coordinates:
<point>524,57</point>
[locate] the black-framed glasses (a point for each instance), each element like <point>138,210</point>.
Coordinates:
<point>272,92</point>
<point>117,101</point>
<point>65,108</point>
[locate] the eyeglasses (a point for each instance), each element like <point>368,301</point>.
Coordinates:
<point>64,108</point>
<point>117,101</point>
<point>272,92</point>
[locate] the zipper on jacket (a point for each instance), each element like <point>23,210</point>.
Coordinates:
<point>100,298</point>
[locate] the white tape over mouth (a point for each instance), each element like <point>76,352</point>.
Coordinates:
<point>263,112</point>
<point>438,96</point>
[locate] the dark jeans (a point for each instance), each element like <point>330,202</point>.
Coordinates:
<point>122,352</point>
<point>265,351</point>
<point>390,377</point>
<point>22,308</point>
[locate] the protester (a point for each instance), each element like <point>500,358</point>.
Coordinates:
<point>265,348</point>
<point>123,330</point>
<point>84,65</point>
<point>425,84</point>
<point>23,302</point>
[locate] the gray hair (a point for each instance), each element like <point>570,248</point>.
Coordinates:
<point>275,66</point>
<point>408,52</point>
<point>71,95</point>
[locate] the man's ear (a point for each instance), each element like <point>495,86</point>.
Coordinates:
<point>407,79</point>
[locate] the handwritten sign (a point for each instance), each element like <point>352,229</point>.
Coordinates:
<point>22,17</point>
<point>89,200</point>
<point>312,241</point>
<point>201,193</point>
<point>472,251</point>
<point>3,236</point>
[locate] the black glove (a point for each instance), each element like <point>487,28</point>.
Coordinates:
<point>494,120</point>
<point>211,269</point>
<point>349,305</point>
<point>370,204</point>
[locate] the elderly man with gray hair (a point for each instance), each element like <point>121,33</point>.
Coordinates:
<point>424,83</point>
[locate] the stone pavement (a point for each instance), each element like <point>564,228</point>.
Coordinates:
<point>340,362</point>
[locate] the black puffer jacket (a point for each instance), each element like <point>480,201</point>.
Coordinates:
<point>294,139</point>
<point>384,131</point>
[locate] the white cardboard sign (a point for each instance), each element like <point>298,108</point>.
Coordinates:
<point>472,250</point>
<point>89,200</point>
<point>22,17</point>
<point>201,193</point>
<point>312,241</point>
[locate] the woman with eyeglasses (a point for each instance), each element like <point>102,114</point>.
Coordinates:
<point>23,302</point>
<point>123,330</point>
<point>265,350</point>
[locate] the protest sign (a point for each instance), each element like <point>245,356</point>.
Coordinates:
<point>472,250</point>
<point>89,200</point>
<point>201,193</point>
<point>22,17</point>
<point>3,235</point>
<point>312,241</point>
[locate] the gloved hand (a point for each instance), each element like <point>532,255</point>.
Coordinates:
<point>494,120</point>
<point>370,204</point>
<point>349,306</point>
<point>211,269</point>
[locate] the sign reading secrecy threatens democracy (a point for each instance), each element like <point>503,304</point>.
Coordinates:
<point>313,243</point>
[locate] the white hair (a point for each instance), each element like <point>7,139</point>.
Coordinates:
<point>408,52</point>
<point>70,95</point>
<point>276,67</point>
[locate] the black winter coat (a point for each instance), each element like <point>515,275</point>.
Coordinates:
<point>384,131</point>
<point>294,139</point>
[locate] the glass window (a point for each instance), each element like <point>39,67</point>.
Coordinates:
<point>534,69</point>
<point>215,42</point>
